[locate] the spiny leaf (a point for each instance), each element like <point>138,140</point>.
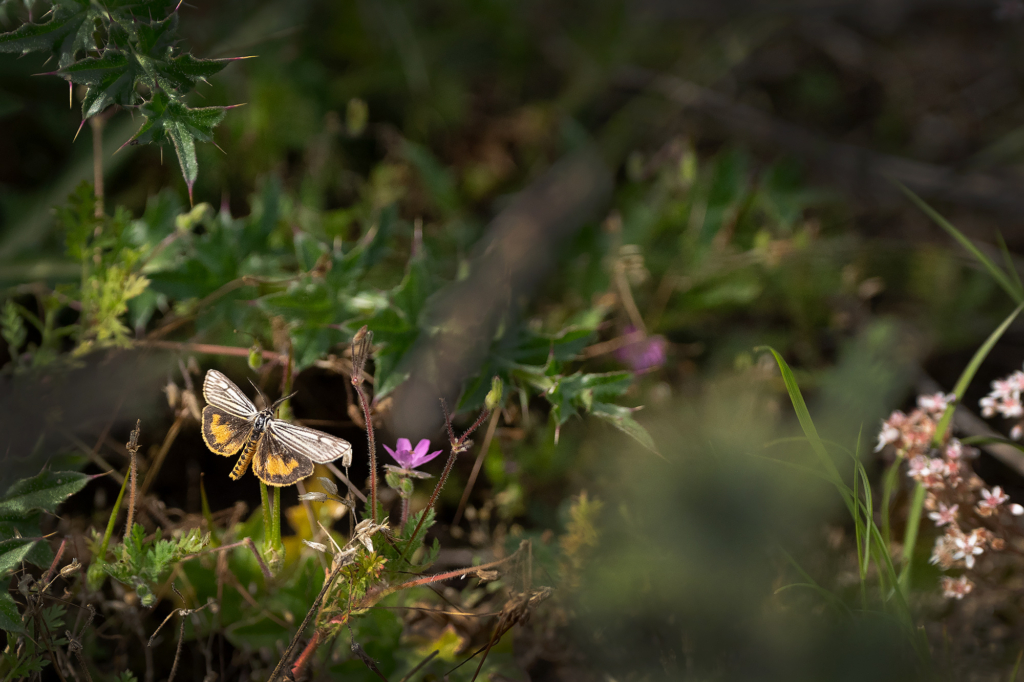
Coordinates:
<point>69,31</point>
<point>170,120</point>
<point>44,491</point>
<point>111,80</point>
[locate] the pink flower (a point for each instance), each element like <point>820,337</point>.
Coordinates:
<point>888,434</point>
<point>969,547</point>
<point>955,449</point>
<point>956,588</point>
<point>944,515</point>
<point>407,457</point>
<point>644,354</point>
<point>935,404</point>
<point>988,406</point>
<point>991,500</point>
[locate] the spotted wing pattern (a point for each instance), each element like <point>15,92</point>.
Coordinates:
<point>222,393</point>
<point>223,432</point>
<point>276,463</point>
<point>316,445</point>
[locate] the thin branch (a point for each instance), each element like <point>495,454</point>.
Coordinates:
<point>209,349</point>
<point>133,449</point>
<point>491,428</point>
<point>305,621</point>
<point>344,479</point>
<point>154,469</point>
<point>247,542</point>
<point>362,343</point>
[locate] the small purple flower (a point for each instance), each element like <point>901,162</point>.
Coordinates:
<point>407,457</point>
<point>643,354</point>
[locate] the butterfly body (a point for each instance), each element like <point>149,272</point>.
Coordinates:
<point>281,453</point>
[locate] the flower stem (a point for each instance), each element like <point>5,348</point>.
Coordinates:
<point>275,520</point>
<point>362,345</point>
<point>372,445</point>
<point>268,537</point>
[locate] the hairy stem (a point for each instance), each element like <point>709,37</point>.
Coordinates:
<point>372,444</point>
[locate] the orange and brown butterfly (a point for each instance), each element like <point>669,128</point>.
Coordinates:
<point>281,453</point>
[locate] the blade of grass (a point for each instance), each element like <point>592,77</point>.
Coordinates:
<point>804,417</point>
<point>1001,277</point>
<point>812,583</point>
<point>883,558</point>
<point>888,484</point>
<point>968,374</point>
<point>1008,259</point>
<point>910,537</point>
<point>990,440</point>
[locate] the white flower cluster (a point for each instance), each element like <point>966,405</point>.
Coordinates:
<point>957,500</point>
<point>1004,399</point>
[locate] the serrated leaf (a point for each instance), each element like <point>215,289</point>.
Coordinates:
<point>111,80</point>
<point>622,419</point>
<point>10,619</point>
<point>170,120</point>
<point>184,71</point>
<point>44,491</point>
<point>69,31</point>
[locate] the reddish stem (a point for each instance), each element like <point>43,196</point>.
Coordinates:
<point>457,447</point>
<point>307,653</point>
<point>371,442</point>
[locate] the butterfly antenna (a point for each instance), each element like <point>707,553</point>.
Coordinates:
<point>281,400</point>
<point>266,401</point>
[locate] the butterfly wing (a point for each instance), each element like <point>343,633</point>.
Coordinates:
<point>223,432</point>
<point>316,445</point>
<point>276,463</point>
<point>222,393</point>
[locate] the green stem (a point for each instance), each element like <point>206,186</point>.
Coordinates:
<point>910,537</point>
<point>110,523</point>
<point>268,537</point>
<point>275,522</point>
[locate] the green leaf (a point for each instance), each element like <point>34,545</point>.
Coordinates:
<point>170,120</point>
<point>111,80</point>
<point>44,491</point>
<point>622,419</point>
<point>806,423</point>
<point>13,525</point>
<point>10,619</point>
<point>183,72</point>
<point>1009,285</point>
<point>13,552</point>
<point>972,368</point>
<point>69,31</point>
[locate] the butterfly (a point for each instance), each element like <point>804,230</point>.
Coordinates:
<point>281,453</point>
